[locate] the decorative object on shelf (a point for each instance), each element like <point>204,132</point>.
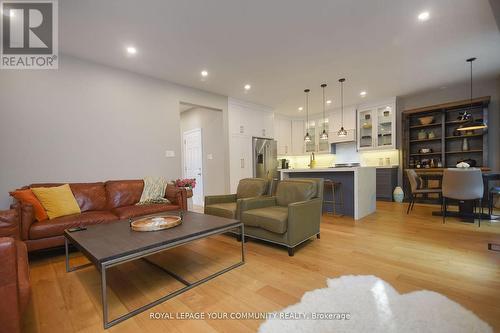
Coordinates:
<point>471,124</point>
<point>422,135</point>
<point>307,137</point>
<point>425,150</point>
<point>426,120</point>
<point>431,135</point>
<point>324,135</point>
<point>463,165</point>
<point>188,183</point>
<point>439,164</point>
<point>398,194</point>
<point>342,132</point>
<point>380,161</point>
<point>471,162</point>
<point>465,144</point>
<point>387,161</point>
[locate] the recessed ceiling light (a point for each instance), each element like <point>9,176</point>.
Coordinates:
<point>362,94</point>
<point>329,102</point>
<point>423,16</point>
<point>301,108</point>
<point>247,87</point>
<point>131,50</point>
<point>204,73</point>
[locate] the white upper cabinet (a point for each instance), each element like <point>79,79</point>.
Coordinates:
<point>283,134</point>
<point>250,119</point>
<point>377,125</point>
<point>335,122</point>
<point>298,132</point>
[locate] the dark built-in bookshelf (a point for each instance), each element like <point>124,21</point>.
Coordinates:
<point>441,135</point>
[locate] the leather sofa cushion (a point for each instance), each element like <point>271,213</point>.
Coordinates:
<point>23,275</point>
<point>120,193</point>
<point>90,196</point>
<point>290,191</point>
<point>55,227</point>
<point>141,210</point>
<point>227,210</point>
<point>272,219</point>
<point>251,187</point>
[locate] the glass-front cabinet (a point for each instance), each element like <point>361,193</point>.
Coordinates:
<point>317,145</point>
<point>377,125</point>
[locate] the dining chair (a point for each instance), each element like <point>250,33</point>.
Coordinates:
<point>417,188</point>
<point>462,184</point>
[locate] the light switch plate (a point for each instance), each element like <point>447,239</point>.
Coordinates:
<point>210,156</point>
<point>169,153</point>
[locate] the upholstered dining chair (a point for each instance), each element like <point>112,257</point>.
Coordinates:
<point>462,184</point>
<point>417,189</point>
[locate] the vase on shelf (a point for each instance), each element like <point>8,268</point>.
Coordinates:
<point>465,144</point>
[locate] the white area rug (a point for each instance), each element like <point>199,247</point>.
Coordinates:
<point>375,306</point>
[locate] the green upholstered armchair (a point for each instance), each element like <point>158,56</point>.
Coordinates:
<point>289,218</point>
<point>228,205</point>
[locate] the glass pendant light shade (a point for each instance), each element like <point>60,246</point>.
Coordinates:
<point>471,124</point>
<point>324,135</point>
<point>307,137</point>
<point>342,132</point>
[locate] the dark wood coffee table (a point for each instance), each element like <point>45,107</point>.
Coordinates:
<point>112,244</point>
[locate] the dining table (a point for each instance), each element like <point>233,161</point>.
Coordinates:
<point>466,207</point>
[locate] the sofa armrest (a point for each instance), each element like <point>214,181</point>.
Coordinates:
<point>9,224</point>
<point>26,217</point>
<point>304,219</point>
<point>216,199</point>
<point>177,195</point>
<point>255,203</point>
<point>10,316</point>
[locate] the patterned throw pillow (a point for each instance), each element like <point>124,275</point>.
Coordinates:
<point>153,191</point>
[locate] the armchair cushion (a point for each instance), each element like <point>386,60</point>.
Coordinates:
<point>273,218</point>
<point>227,209</point>
<point>251,187</point>
<point>291,191</point>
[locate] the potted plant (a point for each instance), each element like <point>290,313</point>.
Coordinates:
<point>189,184</point>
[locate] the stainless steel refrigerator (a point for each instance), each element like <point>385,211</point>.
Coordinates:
<point>265,158</point>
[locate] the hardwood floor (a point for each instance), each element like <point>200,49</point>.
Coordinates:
<point>411,252</point>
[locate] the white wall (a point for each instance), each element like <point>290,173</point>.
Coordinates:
<point>211,123</point>
<point>87,122</point>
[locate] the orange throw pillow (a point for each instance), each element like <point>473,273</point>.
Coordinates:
<point>27,197</point>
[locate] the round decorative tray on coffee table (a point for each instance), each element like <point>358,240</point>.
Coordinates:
<point>156,223</point>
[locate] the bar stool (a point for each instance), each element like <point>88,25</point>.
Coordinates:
<point>334,187</point>
<point>493,191</point>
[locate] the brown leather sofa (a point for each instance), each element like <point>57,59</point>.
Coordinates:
<point>14,273</point>
<point>101,202</point>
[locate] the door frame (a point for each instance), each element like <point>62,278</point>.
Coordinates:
<point>194,130</point>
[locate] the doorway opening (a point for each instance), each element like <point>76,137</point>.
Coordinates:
<point>203,151</point>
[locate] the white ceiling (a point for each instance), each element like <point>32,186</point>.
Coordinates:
<point>281,47</point>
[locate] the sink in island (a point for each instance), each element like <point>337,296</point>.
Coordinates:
<point>358,187</point>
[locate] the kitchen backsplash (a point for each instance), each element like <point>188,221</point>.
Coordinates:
<point>346,153</point>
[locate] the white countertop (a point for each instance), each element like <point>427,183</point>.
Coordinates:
<point>349,169</point>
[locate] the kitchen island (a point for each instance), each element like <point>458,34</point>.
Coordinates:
<point>358,187</point>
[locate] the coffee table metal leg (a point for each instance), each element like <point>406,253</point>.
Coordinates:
<point>68,267</point>
<point>104,295</point>
<point>242,243</point>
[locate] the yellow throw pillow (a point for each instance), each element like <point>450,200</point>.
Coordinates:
<point>57,201</point>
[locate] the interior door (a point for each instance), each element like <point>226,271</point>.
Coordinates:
<point>193,162</point>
